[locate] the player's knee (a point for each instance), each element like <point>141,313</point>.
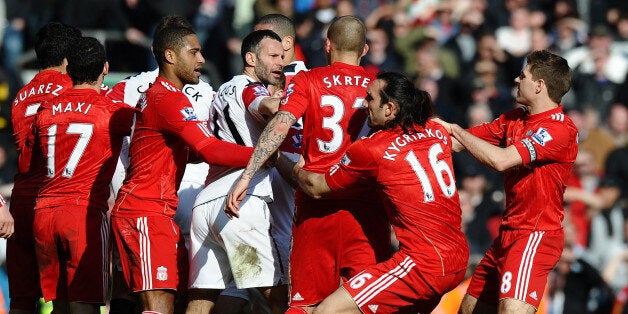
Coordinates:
<point>203,294</point>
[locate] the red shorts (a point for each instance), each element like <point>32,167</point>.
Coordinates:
<point>398,285</point>
<point>330,244</point>
<point>72,246</point>
<point>22,267</point>
<point>151,252</point>
<point>516,266</point>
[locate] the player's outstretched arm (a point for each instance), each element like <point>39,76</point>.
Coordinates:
<point>496,157</point>
<point>312,183</point>
<point>268,143</point>
<point>455,144</point>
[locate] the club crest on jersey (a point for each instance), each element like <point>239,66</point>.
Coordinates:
<point>542,136</point>
<point>162,273</point>
<point>188,114</point>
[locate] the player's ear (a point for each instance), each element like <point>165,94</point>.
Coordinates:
<point>327,45</point>
<point>169,55</point>
<point>105,69</point>
<point>250,58</point>
<point>287,43</point>
<point>365,50</point>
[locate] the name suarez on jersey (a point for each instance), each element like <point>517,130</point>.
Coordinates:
<point>50,88</point>
<point>71,107</point>
<point>402,140</point>
<point>346,80</point>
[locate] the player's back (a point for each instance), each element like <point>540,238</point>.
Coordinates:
<point>330,99</point>
<point>415,172</point>
<point>44,86</point>
<point>80,134</point>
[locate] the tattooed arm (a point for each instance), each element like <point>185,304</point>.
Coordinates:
<point>268,143</point>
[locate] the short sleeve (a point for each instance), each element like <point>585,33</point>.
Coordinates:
<point>296,95</point>
<point>550,142</point>
<point>356,165</point>
<point>252,96</point>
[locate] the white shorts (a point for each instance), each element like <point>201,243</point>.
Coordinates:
<point>282,212</point>
<point>187,193</point>
<point>240,249</point>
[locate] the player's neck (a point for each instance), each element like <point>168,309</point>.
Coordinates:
<point>351,59</point>
<point>250,72</point>
<point>172,78</point>
<point>94,86</point>
<point>58,68</point>
<point>542,106</point>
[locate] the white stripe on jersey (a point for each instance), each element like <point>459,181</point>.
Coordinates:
<point>558,116</point>
<point>204,129</point>
<point>144,241</point>
<point>525,267</point>
<point>104,236</point>
<point>385,281</point>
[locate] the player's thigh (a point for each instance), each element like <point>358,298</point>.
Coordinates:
<point>314,270</point>
<point>249,245</point>
<point>47,250</point>
<point>209,263</point>
<point>527,264</point>
<point>399,284</point>
<point>21,260</point>
<point>87,267</point>
<point>148,248</point>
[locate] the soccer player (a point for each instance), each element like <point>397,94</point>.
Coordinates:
<point>282,207</point>
<point>80,134</point>
<point>165,136</point>
<point>409,160</point>
<point>241,249</point>
<point>200,96</point>
<point>51,45</point>
<point>338,236</point>
<point>535,146</point>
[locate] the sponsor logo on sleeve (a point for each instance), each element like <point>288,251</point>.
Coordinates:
<point>188,114</point>
<point>260,90</point>
<point>542,136</point>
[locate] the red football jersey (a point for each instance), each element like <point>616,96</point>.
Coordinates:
<point>414,172</point>
<point>80,134</point>
<point>44,86</point>
<point>548,145</point>
<point>330,101</point>
<point>164,129</point>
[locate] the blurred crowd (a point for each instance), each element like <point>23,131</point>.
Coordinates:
<point>465,53</point>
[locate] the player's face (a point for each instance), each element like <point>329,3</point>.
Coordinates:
<point>373,102</point>
<point>269,65</point>
<point>189,61</point>
<point>526,86</point>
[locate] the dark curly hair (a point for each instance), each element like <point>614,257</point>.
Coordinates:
<point>86,60</point>
<point>52,42</point>
<point>415,106</point>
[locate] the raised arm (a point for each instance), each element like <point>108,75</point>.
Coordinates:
<point>268,143</point>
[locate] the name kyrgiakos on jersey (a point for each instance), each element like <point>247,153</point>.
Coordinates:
<point>402,140</point>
